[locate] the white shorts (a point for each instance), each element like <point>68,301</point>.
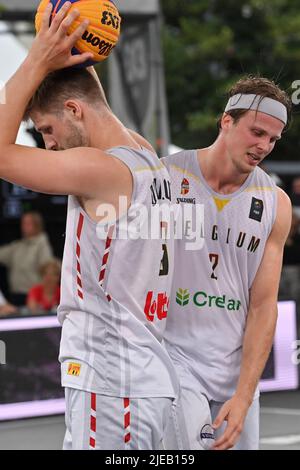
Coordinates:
<point>100,422</point>
<point>193,417</point>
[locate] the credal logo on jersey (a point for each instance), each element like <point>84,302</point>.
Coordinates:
<point>74,369</point>
<point>185,186</point>
<point>202,299</point>
<point>156,306</point>
<point>182,297</point>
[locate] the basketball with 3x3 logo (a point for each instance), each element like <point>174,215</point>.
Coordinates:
<point>103,31</point>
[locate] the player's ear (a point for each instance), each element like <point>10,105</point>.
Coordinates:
<point>73,107</point>
<point>226,121</point>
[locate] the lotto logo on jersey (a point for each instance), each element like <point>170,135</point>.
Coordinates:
<point>74,369</point>
<point>185,186</point>
<point>182,297</point>
<point>156,306</point>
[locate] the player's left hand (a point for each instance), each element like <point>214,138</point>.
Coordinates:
<point>233,411</point>
<point>51,49</point>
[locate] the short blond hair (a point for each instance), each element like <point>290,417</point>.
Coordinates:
<point>51,263</point>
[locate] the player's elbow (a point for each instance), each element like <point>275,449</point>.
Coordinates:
<point>4,159</point>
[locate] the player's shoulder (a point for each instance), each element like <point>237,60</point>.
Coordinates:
<point>283,218</point>
<point>179,159</point>
<point>284,202</point>
<point>263,178</point>
<point>86,153</point>
<point>95,156</point>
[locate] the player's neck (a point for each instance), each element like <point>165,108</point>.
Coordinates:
<point>106,131</point>
<point>218,169</point>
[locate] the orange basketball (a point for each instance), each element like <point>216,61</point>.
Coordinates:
<point>103,32</point>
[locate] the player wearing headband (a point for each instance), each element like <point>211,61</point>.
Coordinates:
<point>223,305</point>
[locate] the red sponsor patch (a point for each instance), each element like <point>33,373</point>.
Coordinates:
<point>156,306</point>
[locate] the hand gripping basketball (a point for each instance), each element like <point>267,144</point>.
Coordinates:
<point>102,33</point>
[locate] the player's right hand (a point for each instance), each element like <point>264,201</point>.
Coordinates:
<point>51,49</point>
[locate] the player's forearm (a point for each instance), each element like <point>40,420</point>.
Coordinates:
<point>258,339</point>
<point>17,93</point>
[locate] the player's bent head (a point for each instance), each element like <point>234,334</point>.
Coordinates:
<point>259,86</point>
<point>63,85</point>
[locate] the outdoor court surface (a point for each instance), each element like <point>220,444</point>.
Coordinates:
<point>280,427</point>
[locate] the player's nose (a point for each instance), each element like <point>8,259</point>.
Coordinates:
<point>50,143</point>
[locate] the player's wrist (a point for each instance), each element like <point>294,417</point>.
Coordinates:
<point>34,69</point>
<point>244,396</point>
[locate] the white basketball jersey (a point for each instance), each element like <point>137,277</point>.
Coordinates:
<point>115,292</point>
<point>210,293</point>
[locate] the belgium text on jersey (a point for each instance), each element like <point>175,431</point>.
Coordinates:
<point>163,221</point>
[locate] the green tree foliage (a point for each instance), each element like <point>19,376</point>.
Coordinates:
<point>209,44</point>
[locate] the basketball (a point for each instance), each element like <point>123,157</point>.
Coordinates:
<point>102,33</point>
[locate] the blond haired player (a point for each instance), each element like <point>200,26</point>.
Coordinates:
<point>120,382</point>
<point>223,307</point>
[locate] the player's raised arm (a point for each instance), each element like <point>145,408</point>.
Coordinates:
<point>65,172</point>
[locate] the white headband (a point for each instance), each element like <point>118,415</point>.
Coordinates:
<point>258,103</point>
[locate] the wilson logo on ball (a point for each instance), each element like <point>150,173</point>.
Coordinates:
<point>103,32</point>
<point>105,48</point>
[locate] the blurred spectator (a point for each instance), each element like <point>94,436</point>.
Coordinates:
<point>24,257</point>
<point>295,195</point>
<point>277,180</point>
<point>5,307</point>
<point>45,297</point>
<point>290,277</point>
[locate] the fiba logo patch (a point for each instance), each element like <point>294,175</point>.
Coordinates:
<point>256,210</point>
<point>185,186</point>
<point>207,436</point>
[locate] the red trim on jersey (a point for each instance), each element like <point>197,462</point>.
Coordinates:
<point>93,421</point>
<point>79,281</point>
<point>127,435</point>
<point>92,443</point>
<point>93,401</point>
<point>105,258</point>
<point>78,268</point>
<point>80,225</point>
<point>79,231</point>
<point>77,250</point>
<point>127,420</point>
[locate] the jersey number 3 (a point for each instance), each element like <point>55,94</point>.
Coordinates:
<point>164,264</point>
